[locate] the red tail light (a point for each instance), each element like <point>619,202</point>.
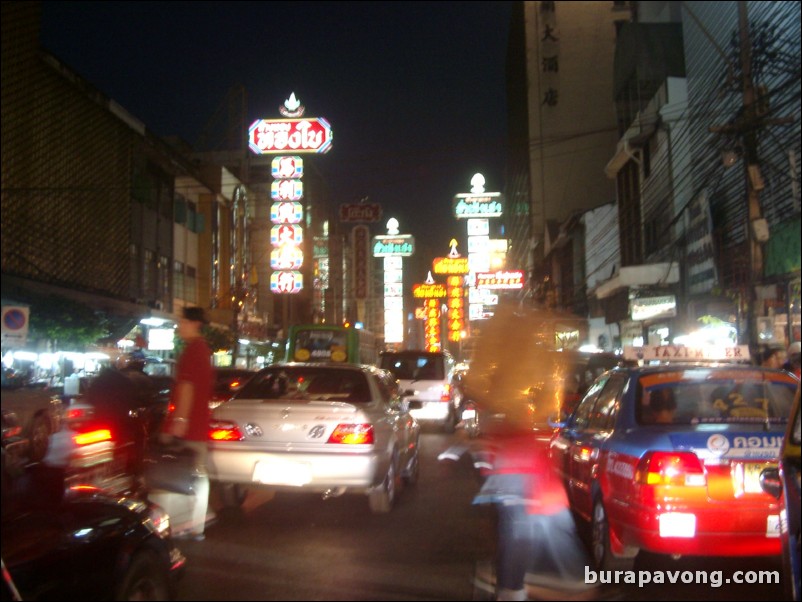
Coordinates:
<point>352,434</point>
<point>78,413</point>
<point>90,437</point>
<point>445,395</point>
<point>224,431</point>
<point>671,468</point>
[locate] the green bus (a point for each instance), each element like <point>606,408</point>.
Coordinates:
<point>328,343</point>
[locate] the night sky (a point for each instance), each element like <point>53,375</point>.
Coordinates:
<point>414,91</point>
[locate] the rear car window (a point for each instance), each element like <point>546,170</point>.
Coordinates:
<point>415,365</point>
<point>307,383</point>
<point>710,396</point>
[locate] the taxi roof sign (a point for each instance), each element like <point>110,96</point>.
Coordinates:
<point>684,353</point>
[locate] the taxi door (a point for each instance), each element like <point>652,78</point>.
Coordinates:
<point>592,428</point>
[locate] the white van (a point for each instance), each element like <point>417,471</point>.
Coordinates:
<point>428,374</point>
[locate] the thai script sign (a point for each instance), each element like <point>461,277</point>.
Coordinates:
<point>386,245</point>
<point>467,205</point>
<point>450,265</point>
<point>501,279</point>
<point>428,291</point>
<point>360,212</point>
<point>312,135</point>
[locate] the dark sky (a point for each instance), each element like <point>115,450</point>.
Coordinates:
<point>414,91</point>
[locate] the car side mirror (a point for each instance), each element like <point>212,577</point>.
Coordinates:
<point>770,482</point>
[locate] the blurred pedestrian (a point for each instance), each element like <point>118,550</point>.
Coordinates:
<point>538,552</point>
<point>120,396</point>
<point>189,419</point>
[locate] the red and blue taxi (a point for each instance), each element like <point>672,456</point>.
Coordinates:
<point>665,455</point>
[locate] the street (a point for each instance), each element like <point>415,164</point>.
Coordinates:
<point>300,547</point>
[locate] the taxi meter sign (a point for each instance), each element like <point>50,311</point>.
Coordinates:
<point>15,325</point>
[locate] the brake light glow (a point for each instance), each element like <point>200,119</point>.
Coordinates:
<point>224,431</point>
<point>671,468</point>
<point>90,437</point>
<point>445,394</point>
<point>352,434</point>
<point>77,413</point>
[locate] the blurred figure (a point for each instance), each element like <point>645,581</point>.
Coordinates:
<point>539,552</point>
<point>120,396</point>
<point>189,421</point>
<point>793,359</point>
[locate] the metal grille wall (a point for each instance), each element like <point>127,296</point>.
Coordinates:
<point>66,171</point>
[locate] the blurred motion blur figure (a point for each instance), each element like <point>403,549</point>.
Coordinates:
<point>539,553</point>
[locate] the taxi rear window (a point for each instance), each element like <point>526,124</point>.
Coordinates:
<point>703,396</point>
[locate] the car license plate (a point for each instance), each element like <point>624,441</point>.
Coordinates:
<point>275,471</point>
<point>773,525</point>
<point>468,414</point>
<point>752,472</point>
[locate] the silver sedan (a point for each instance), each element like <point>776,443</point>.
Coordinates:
<point>324,428</point>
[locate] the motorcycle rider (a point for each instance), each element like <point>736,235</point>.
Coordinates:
<point>121,396</point>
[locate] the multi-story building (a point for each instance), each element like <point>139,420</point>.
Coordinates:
<point>707,188</point>
<point>101,217</point>
<point>704,222</point>
<point>562,125</point>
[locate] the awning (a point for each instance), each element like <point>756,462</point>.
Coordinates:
<point>639,275</point>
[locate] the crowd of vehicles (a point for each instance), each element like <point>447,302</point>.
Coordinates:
<point>713,470</point>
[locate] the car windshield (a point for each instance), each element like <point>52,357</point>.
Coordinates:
<point>707,396</point>
<point>414,366</point>
<point>307,383</point>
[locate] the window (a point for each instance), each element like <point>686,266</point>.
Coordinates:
<point>191,287</point>
<point>178,278</point>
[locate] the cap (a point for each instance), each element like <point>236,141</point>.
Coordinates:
<point>194,314</point>
<point>794,348</point>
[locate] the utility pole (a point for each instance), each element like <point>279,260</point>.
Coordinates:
<point>747,127</point>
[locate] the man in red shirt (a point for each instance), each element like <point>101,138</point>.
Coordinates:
<point>189,420</point>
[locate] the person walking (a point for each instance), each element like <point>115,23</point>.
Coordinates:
<point>189,419</point>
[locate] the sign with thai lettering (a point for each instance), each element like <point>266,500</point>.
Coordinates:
<point>428,291</point>
<point>386,245</point>
<point>360,212</point>
<point>287,167</point>
<point>469,205</point>
<point>500,280</point>
<point>450,265</point>
<point>312,135</point>
<point>360,240</point>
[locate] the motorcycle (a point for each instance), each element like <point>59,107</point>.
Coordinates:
<point>470,419</point>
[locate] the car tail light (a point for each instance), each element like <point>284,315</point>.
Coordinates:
<point>671,468</point>
<point>224,430</point>
<point>352,434</point>
<point>445,394</point>
<point>78,414</point>
<point>90,437</point>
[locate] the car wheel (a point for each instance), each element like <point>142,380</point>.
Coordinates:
<point>145,579</point>
<point>382,497</point>
<point>40,439</point>
<point>232,495</point>
<point>600,543</point>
